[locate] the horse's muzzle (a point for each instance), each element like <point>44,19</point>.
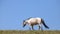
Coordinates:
<point>24,25</point>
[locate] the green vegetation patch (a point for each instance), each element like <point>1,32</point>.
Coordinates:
<point>28,32</point>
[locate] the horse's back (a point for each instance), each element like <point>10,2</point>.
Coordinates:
<point>38,19</point>
<point>35,20</point>
<point>32,20</point>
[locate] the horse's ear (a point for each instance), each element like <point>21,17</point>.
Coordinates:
<point>23,20</point>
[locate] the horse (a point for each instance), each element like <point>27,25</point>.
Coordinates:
<point>34,21</point>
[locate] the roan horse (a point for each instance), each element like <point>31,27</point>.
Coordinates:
<point>34,21</point>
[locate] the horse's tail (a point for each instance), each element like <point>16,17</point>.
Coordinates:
<point>44,23</point>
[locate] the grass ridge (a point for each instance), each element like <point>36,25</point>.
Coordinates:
<point>29,32</point>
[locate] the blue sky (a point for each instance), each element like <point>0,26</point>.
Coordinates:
<point>13,12</point>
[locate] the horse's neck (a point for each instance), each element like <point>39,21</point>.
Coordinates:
<point>27,20</point>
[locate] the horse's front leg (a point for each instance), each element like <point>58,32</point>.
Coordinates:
<point>32,27</point>
<point>29,27</point>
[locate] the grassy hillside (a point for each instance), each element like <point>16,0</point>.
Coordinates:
<point>28,32</point>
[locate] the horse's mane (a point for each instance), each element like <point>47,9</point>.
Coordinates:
<point>28,18</point>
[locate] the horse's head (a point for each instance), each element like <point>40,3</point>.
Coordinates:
<point>24,23</point>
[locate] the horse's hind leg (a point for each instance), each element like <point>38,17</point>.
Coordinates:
<point>39,27</point>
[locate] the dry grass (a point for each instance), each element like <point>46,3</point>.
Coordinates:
<point>28,32</point>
